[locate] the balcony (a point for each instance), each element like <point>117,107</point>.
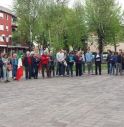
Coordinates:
<point>14,24</point>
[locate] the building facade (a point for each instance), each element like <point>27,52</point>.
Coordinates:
<point>7,27</point>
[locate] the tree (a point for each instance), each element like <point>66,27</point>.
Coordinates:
<point>48,21</point>
<point>26,11</point>
<point>103,18</point>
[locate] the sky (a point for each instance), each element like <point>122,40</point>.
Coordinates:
<point>9,3</point>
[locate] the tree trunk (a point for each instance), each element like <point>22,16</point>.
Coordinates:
<point>100,41</point>
<point>100,44</point>
<point>115,46</point>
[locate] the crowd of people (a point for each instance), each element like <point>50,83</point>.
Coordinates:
<point>62,63</point>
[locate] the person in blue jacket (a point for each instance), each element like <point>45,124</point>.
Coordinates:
<point>70,63</point>
<point>89,60</point>
<point>14,62</point>
<point>113,61</point>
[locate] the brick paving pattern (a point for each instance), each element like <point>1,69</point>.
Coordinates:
<point>95,101</point>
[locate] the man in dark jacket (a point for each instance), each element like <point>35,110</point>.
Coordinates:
<point>98,61</point>
<point>70,62</point>
<point>36,62</point>
<point>119,63</point>
<point>108,60</point>
<point>27,64</point>
<point>78,61</point>
<point>1,66</point>
<point>51,64</point>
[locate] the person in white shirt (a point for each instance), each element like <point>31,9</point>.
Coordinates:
<point>83,61</point>
<point>60,56</point>
<point>98,61</point>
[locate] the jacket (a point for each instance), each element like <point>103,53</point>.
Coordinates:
<point>44,59</point>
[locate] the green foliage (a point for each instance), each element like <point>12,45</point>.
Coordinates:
<point>54,23</point>
<point>103,17</point>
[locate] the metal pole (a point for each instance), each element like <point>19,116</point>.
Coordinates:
<point>49,38</point>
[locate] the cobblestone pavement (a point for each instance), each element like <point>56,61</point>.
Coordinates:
<point>95,101</point>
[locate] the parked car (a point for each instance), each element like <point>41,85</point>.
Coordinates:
<point>104,57</point>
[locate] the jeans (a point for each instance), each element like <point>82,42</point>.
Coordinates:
<point>14,70</point>
<point>45,67</point>
<point>112,69</point>
<point>51,69</point>
<point>57,68</point>
<point>5,73</point>
<point>1,72</point>
<point>35,72</point>
<point>61,68</point>
<point>108,67</point>
<point>118,68</point>
<point>28,72</point>
<point>78,69</point>
<point>83,65</point>
<point>90,67</point>
<point>97,66</point>
<point>70,68</point>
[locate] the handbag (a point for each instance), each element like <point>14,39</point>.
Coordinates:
<point>65,63</point>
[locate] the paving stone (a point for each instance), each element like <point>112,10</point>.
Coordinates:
<point>87,101</point>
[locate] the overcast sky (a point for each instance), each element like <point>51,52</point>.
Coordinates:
<point>8,3</point>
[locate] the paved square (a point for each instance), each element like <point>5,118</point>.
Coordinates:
<point>96,101</point>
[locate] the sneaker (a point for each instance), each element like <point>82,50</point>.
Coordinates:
<point>6,81</point>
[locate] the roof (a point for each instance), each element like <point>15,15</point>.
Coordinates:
<point>6,10</point>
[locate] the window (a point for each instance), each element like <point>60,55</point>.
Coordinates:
<point>7,17</point>
<point>7,39</point>
<point>1,39</point>
<point>1,27</point>
<point>1,15</point>
<point>7,28</point>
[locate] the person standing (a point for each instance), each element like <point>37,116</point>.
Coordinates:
<point>61,59</point>
<point>51,64</point>
<point>89,61</point>
<point>122,62</point>
<point>1,67</point>
<point>112,65</point>
<point>83,62</point>
<point>32,55</point>
<point>108,60</point>
<point>36,65</point>
<point>14,62</point>
<point>57,63</point>
<point>27,64</point>
<point>44,63</point>
<point>70,62</point>
<point>98,61</point>
<point>6,68</point>
<point>78,61</point>
<point>119,63</point>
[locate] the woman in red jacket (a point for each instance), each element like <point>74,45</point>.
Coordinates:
<point>44,63</point>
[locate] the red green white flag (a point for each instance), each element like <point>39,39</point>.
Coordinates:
<point>19,73</point>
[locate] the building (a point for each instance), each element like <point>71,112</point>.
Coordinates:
<point>93,44</point>
<point>7,26</point>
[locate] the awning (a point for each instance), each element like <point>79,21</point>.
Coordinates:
<point>10,46</point>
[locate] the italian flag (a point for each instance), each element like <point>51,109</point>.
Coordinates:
<point>19,73</point>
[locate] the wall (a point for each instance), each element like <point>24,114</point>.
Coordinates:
<point>6,21</point>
